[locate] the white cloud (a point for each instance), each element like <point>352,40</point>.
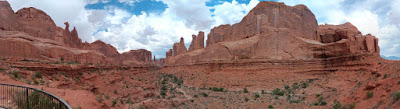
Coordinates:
<point>231,12</point>
<point>128,2</point>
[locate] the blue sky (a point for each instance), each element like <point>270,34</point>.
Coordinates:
<point>156,24</point>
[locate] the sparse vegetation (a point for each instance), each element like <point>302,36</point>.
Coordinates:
<point>287,87</point>
<point>115,91</point>
<point>113,102</point>
<point>204,94</point>
<point>396,96</point>
<point>320,102</point>
<point>370,94</point>
<point>246,99</point>
<point>99,98</point>
<point>62,59</point>
<point>256,95</point>
<point>245,90</point>
<point>337,105</point>
<point>16,74</point>
<point>295,85</point>
<point>217,89</point>
<point>37,75</point>
<point>277,91</point>
<point>262,92</point>
<point>270,107</point>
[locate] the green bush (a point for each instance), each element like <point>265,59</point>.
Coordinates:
<point>370,94</point>
<point>99,98</point>
<point>337,105</point>
<point>36,82</point>
<point>204,94</point>
<point>37,75</point>
<point>61,59</point>
<point>246,99</point>
<point>113,102</point>
<point>287,87</point>
<point>217,89</point>
<point>295,85</point>
<point>256,95</point>
<point>195,96</point>
<point>396,96</point>
<point>270,107</point>
<point>277,91</point>
<point>245,90</point>
<point>16,75</point>
<point>262,92</point>
<point>304,84</point>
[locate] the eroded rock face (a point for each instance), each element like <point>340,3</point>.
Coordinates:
<point>141,56</point>
<point>268,17</point>
<point>274,31</point>
<point>179,48</point>
<point>31,33</point>
<point>197,41</point>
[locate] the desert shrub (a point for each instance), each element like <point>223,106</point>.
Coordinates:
<point>28,81</point>
<point>3,59</point>
<point>396,96</point>
<point>37,75</point>
<point>80,73</point>
<point>256,95</point>
<point>113,102</point>
<point>245,90</point>
<point>277,91</point>
<point>162,93</point>
<point>295,85</point>
<point>36,82</point>
<point>107,97</point>
<point>270,107</point>
<point>99,98</point>
<point>262,92</point>
<point>61,59</point>
<point>304,84</point>
<point>16,74</point>
<point>42,81</point>
<point>204,94</point>
<point>217,89</point>
<point>77,78</point>
<point>246,99</point>
<point>369,94</point>
<point>337,105</point>
<point>115,91</point>
<point>287,87</point>
<point>73,62</point>
<point>294,101</point>
<point>320,102</point>
<point>195,96</point>
<point>352,105</point>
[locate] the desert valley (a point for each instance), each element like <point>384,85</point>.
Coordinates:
<point>277,56</point>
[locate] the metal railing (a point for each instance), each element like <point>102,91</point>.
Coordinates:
<point>22,97</point>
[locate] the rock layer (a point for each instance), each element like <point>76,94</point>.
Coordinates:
<point>274,31</point>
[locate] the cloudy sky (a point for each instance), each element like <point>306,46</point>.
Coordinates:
<point>156,24</point>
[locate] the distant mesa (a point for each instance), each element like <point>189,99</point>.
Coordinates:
<point>274,31</point>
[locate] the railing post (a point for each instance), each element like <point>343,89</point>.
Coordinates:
<point>27,98</point>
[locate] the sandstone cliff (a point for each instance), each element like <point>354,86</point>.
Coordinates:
<point>274,31</point>
<point>31,33</point>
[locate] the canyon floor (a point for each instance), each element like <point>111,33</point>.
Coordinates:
<point>208,85</point>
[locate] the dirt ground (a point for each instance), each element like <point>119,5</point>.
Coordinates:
<point>349,82</point>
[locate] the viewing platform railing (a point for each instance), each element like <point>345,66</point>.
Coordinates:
<point>22,97</point>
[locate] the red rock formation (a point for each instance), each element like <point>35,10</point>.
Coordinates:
<point>179,48</point>
<point>197,41</point>
<point>136,57</point>
<point>168,53</point>
<point>40,38</point>
<point>274,31</point>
